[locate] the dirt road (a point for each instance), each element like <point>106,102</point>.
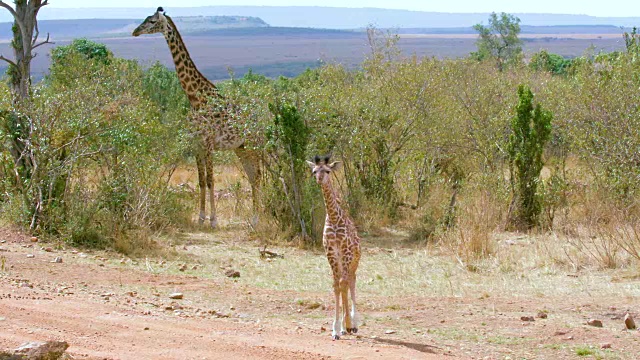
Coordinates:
<point>92,307</point>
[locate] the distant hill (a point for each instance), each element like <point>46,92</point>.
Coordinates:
<point>97,28</point>
<point>332,17</point>
<point>525,29</point>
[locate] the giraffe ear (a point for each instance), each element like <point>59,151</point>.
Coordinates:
<point>311,164</point>
<point>335,165</point>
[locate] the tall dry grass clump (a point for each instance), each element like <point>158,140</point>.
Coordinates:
<point>472,239</point>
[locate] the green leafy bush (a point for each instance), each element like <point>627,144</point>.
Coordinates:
<point>531,129</point>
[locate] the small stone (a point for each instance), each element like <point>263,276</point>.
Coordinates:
<point>323,329</point>
<point>560,333</point>
<point>595,322</point>
<point>146,328</point>
<point>183,267</point>
<point>42,350</point>
<point>232,273</point>
<point>176,296</point>
<point>628,322</point>
<point>30,256</point>
<point>605,346</point>
<point>542,315</point>
<point>527,318</point>
<point>3,249</point>
<point>34,239</point>
<point>48,249</point>
<point>57,260</point>
<point>389,332</point>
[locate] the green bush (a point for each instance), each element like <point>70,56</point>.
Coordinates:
<point>103,156</point>
<point>553,63</point>
<point>531,129</point>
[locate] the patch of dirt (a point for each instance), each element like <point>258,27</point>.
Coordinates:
<point>106,310</point>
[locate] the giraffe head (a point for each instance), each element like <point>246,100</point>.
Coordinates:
<point>156,23</point>
<point>321,168</point>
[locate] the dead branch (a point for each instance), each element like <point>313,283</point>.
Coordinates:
<point>44,3</point>
<point>15,16</point>
<point>264,253</point>
<point>41,43</point>
<point>7,60</point>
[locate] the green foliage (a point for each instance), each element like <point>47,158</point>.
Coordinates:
<point>531,129</point>
<point>632,42</point>
<point>553,63</point>
<point>423,141</point>
<point>287,140</point>
<point>101,156</point>
<point>90,49</point>
<point>499,40</point>
<point>162,86</point>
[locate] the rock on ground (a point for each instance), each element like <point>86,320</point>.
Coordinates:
<point>50,350</point>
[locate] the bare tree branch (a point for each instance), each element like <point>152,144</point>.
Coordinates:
<point>8,7</point>
<point>44,3</point>
<point>35,36</point>
<point>15,16</point>
<point>7,60</point>
<point>42,43</point>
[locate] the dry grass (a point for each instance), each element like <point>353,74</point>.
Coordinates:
<point>474,259</point>
<point>520,266</point>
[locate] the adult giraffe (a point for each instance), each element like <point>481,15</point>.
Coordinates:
<point>209,113</point>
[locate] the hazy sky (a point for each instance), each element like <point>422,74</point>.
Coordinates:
<point>627,8</point>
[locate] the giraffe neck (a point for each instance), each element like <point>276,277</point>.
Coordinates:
<point>331,202</point>
<point>197,87</point>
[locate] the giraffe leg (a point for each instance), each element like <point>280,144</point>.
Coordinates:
<point>346,318</point>
<point>251,164</point>
<point>212,194</point>
<point>354,315</point>
<point>337,322</point>
<point>200,165</point>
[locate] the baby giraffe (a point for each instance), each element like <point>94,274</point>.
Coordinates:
<point>342,246</point>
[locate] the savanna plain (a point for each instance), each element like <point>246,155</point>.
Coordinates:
<point>120,269</point>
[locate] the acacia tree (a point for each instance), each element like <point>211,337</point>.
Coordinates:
<point>16,123</point>
<point>499,41</point>
<point>25,40</point>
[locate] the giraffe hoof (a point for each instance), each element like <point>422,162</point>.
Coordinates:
<point>343,332</point>
<point>336,337</point>
<point>352,330</point>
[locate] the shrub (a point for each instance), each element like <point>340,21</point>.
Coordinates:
<point>531,130</point>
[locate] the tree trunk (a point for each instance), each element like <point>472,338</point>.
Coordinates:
<point>25,37</point>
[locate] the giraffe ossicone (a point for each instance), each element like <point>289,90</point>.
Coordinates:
<point>342,247</point>
<point>210,114</point>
